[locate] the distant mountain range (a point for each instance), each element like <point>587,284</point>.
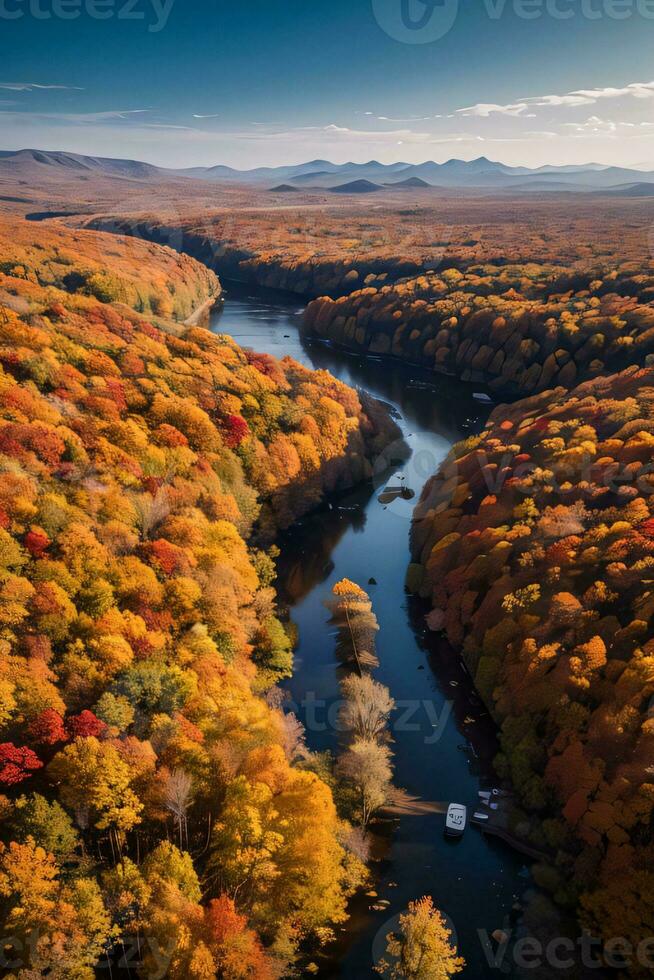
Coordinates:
<point>480,174</point>
<point>321,175</point>
<point>26,161</point>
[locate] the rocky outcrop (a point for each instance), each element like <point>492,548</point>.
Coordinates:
<point>511,329</point>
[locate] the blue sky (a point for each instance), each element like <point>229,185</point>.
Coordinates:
<point>190,82</point>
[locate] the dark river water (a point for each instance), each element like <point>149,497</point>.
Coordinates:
<point>443,740</point>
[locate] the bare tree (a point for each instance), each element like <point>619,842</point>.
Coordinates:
<point>367,765</point>
<point>276,698</point>
<point>357,844</point>
<point>367,708</point>
<point>293,731</point>
<point>150,511</point>
<point>293,737</point>
<point>177,799</point>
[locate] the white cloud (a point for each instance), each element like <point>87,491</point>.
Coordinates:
<point>485,109</point>
<point>570,100</point>
<point>594,126</point>
<point>637,90</point>
<point>404,119</point>
<point>32,86</point>
<point>523,132</point>
<point>335,135</point>
<point>77,118</point>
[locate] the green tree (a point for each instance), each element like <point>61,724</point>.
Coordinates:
<point>174,867</point>
<point>153,688</point>
<point>47,823</point>
<point>115,711</point>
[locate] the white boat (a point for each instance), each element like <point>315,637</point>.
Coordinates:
<point>480,816</point>
<point>456,820</point>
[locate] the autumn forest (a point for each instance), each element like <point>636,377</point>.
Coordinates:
<point>163,812</point>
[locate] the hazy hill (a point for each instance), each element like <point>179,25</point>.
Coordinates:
<point>356,187</point>
<point>640,189</point>
<point>410,182</point>
<point>481,174</point>
<point>27,161</point>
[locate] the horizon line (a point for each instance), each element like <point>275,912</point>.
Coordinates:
<point>591,163</point>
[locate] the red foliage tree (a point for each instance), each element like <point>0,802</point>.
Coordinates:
<point>152,484</point>
<point>168,435</point>
<point>265,364</point>
<point>222,919</point>
<point>48,728</point>
<point>647,528</point>
<point>37,542</point>
<point>116,390</point>
<point>235,946</point>
<point>235,429</point>
<point>188,729</point>
<point>167,556</point>
<point>17,763</point>
<point>157,620</point>
<point>15,438</point>
<point>86,725</point>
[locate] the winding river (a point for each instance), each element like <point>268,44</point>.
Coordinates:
<point>443,739</point>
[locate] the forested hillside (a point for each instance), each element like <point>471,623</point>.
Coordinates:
<point>318,248</point>
<point>518,328</point>
<point>150,801</point>
<point>535,546</point>
<point>150,279</point>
